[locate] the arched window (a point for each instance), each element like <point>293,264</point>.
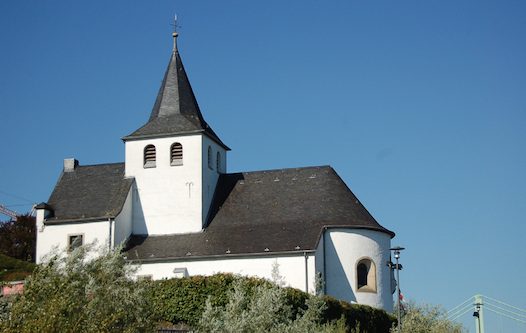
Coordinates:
<point>176,154</point>
<point>210,164</point>
<point>366,275</point>
<point>362,272</point>
<point>149,156</point>
<point>218,162</point>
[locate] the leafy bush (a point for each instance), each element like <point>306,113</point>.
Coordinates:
<point>184,300</point>
<point>265,309</point>
<point>426,319</point>
<point>71,294</point>
<point>5,308</point>
<point>368,319</point>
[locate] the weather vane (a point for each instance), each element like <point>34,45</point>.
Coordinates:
<point>175,25</point>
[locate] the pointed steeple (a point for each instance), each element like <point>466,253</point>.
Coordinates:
<point>175,110</point>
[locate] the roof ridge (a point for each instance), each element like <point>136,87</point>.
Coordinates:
<point>102,164</point>
<point>326,166</point>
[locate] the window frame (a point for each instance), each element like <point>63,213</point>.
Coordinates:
<point>174,160</point>
<point>371,285</point>
<point>148,162</point>
<point>70,244</point>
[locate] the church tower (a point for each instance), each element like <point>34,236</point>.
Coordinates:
<point>175,158</point>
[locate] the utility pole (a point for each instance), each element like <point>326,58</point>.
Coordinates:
<point>479,314</point>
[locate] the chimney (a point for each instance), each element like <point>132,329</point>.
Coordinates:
<point>70,164</point>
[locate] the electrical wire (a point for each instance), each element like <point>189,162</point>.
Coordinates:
<point>506,310</point>
<point>511,306</point>
<point>461,304</point>
<point>17,197</point>
<point>458,315</point>
<point>505,315</point>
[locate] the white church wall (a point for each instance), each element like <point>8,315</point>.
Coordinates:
<point>57,236</point>
<point>319,259</point>
<point>123,222</point>
<point>167,198</point>
<point>291,267</point>
<point>343,249</point>
<point>211,174</point>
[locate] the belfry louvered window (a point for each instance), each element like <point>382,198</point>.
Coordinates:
<point>218,162</point>
<point>176,154</point>
<point>149,156</point>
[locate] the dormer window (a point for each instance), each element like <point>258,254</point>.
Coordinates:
<point>149,156</point>
<point>210,164</point>
<point>218,161</point>
<point>176,154</point>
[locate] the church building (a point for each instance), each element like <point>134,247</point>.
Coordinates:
<point>179,213</point>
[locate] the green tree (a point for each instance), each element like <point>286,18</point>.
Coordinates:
<point>18,238</point>
<point>74,293</point>
<point>427,319</point>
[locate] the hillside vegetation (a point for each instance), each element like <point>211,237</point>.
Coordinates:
<point>12,269</point>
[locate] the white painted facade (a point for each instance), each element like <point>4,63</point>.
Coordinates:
<point>123,224</point>
<point>337,257</point>
<point>297,270</point>
<point>173,199</point>
<point>51,237</point>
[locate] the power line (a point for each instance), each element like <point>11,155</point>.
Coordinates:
<point>17,197</point>
<point>466,310</point>
<point>466,301</point>
<point>459,308</point>
<point>511,306</point>
<point>505,315</point>
<point>506,310</point>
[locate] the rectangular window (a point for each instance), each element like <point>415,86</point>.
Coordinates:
<point>74,241</point>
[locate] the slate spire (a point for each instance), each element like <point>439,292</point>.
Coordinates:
<point>175,110</point>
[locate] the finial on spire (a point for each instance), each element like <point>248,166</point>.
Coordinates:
<point>175,34</point>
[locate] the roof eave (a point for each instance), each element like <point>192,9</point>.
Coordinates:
<point>132,137</point>
<point>324,228</point>
<point>225,256</point>
<point>79,220</point>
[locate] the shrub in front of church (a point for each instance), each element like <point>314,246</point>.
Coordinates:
<point>265,309</point>
<point>369,319</point>
<point>72,294</point>
<point>185,300</point>
<point>426,318</point>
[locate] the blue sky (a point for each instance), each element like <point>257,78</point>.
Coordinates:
<point>420,106</point>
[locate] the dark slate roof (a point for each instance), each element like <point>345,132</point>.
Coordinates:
<point>266,211</point>
<point>89,192</point>
<point>175,111</point>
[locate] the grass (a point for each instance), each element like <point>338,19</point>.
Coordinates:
<point>12,269</point>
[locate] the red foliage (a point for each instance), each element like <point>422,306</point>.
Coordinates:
<point>18,238</point>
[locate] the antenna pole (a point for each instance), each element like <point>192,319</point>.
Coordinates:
<point>175,34</point>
